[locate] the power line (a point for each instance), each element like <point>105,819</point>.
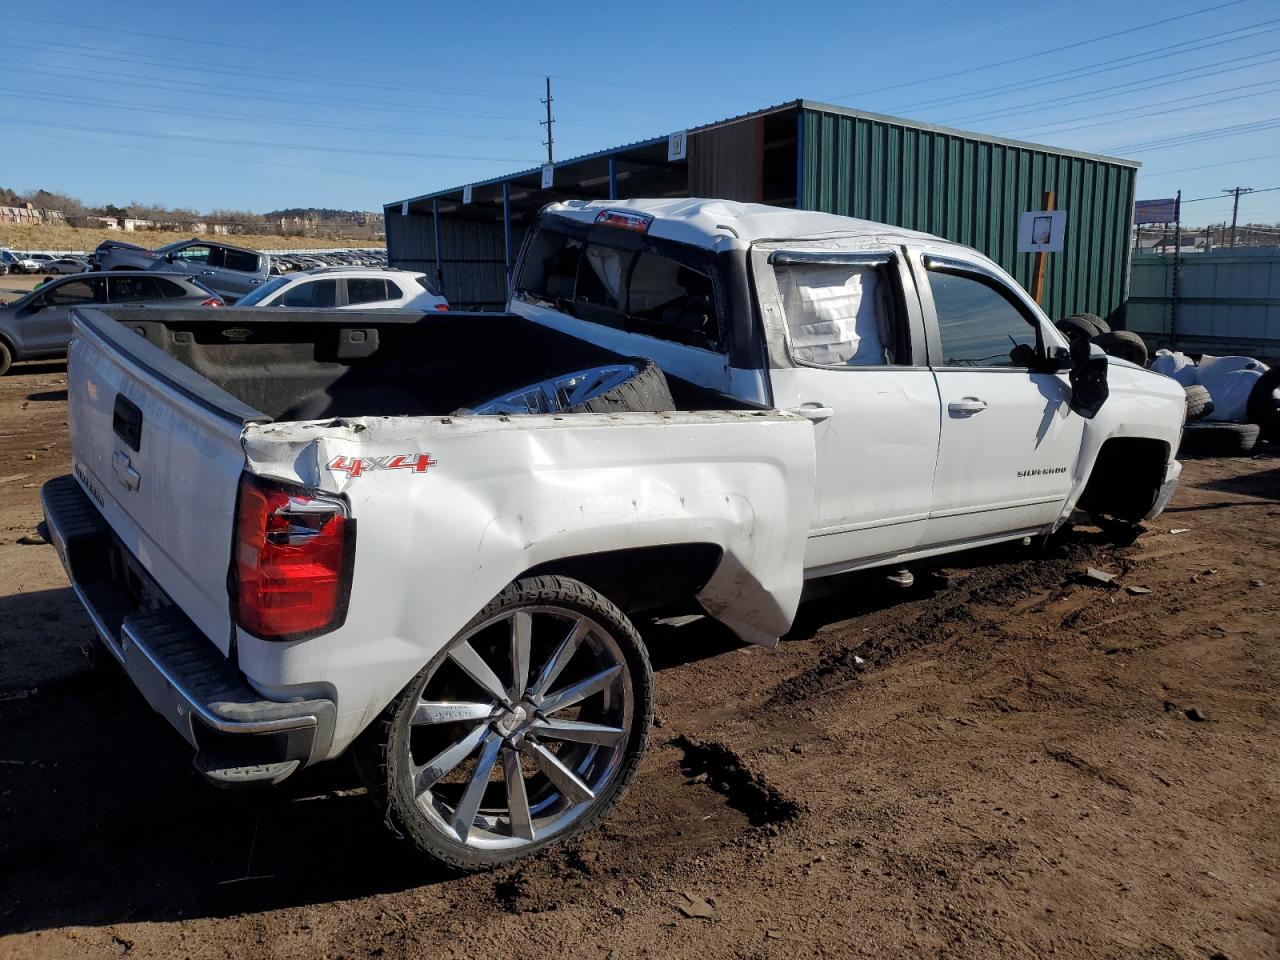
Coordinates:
<point>201,89</point>
<point>251,118</point>
<point>161,62</point>
<point>26,129</point>
<point>1196,136</point>
<point>1039,53</point>
<point>1151,113</point>
<point>1108,92</point>
<point>274,145</point>
<point>1104,66</point>
<point>378,61</point>
<point>1226,194</point>
<point>1208,166</point>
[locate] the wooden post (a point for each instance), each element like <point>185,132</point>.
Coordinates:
<point>1037,276</point>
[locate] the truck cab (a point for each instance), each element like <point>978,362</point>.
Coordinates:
<point>940,393</point>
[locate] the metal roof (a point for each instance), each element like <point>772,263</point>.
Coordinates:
<point>797,105</point>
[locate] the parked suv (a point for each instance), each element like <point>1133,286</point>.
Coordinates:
<point>354,288</point>
<point>39,325</point>
<point>18,262</point>
<point>230,271</point>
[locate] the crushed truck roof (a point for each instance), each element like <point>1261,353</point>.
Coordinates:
<point>701,221</point>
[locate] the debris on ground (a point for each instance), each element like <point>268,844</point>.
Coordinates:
<point>1136,590</point>
<point>696,908</point>
<point>1101,576</point>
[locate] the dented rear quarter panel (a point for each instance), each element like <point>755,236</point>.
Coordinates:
<point>502,495</point>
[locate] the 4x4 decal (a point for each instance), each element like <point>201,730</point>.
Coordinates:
<point>355,466</point>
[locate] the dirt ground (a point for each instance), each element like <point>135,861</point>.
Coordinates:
<point>1005,761</point>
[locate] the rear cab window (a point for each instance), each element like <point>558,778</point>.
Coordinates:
<point>638,284</point>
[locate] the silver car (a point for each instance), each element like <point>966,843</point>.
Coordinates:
<point>39,325</point>
<point>65,265</point>
<point>231,271</point>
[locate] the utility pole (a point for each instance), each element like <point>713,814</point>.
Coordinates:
<point>547,123</point>
<point>1235,207</point>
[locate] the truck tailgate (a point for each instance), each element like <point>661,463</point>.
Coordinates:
<point>161,456</point>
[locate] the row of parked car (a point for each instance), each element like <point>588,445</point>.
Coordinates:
<point>12,262</point>
<point>201,273</point>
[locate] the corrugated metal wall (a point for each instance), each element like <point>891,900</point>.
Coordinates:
<point>1228,302</point>
<point>472,262</point>
<point>973,191</point>
<point>727,162</point>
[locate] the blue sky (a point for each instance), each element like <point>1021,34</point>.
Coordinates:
<point>396,99</point>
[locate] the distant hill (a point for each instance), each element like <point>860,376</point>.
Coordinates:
<point>325,215</point>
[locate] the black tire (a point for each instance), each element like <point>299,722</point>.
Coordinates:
<point>1264,404</point>
<point>1081,326</point>
<point>646,392</point>
<point>384,753</point>
<point>1125,345</point>
<point>1097,321</point>
<point>1199,403</point>
<point>1218,439</point>
<point>6,358</point>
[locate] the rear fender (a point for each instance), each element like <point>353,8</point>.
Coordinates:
<point>499,496</point>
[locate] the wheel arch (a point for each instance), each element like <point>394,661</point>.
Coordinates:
<point>1126,477</point>
<point>627,576</point>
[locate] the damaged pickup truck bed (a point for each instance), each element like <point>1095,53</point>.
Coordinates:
<point>427,540</point>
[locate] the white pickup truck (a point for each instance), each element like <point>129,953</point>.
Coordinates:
<point>427,539</point>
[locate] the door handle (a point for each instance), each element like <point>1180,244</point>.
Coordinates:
<point>813,410</point>
<point>967,406</point>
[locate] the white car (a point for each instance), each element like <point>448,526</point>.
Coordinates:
<point>19,262</point>
<point>348,288</point>
<point>431,542</point>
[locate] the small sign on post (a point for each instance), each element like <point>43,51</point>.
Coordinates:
<point>1041,232</point>
<point>677,145</point>
<point>548,176</point>
<point>466,194</point>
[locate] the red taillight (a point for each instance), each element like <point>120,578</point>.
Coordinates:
<point>442,307</point>
<point>293,557</point>
<point>637,222</point>
<point>212,302</point>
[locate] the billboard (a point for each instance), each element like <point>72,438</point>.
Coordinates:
<point>1155,211</point>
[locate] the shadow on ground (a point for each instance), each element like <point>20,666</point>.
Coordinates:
<point>106,821</point>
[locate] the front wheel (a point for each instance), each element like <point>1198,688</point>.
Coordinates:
<point>522,732</point>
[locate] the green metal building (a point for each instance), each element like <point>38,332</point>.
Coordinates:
<point>959,185</point>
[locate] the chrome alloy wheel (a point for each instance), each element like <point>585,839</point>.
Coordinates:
<point>542,698</point>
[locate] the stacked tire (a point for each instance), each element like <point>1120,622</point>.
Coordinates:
<point>1219,439</point>
<point>1115,343</point>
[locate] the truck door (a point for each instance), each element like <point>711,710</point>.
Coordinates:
<point>846,343</point>
<point>1009,439</point>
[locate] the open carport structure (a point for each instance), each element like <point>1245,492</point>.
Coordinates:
<point>964,186</point>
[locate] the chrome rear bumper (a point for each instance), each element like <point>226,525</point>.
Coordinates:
<point>239,737</point>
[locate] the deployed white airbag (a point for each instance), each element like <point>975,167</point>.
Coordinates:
<point>832,313</point>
